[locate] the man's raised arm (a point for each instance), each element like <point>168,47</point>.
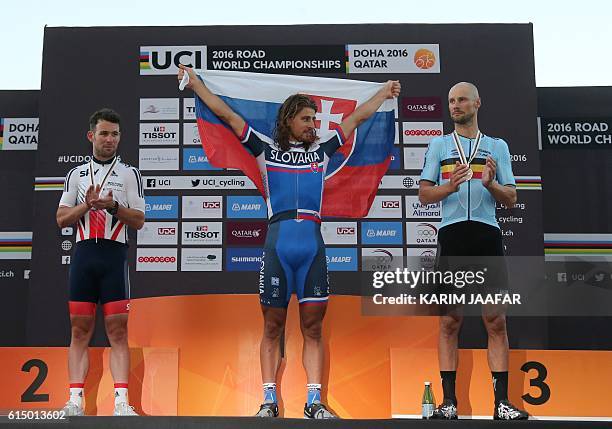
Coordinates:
<point>213,102</point>
<point>362,113</point>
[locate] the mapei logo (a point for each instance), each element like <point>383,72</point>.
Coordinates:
<point>341,259</point>
<point>381,233</point>
<point>158,207</point>
<point>158,60</point>
<point>246,207</point>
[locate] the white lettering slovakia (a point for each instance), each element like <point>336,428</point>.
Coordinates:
<point>295,157</point>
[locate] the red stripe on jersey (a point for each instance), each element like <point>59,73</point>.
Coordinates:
<point>81,232</point>
<point>116,233</point>
<point>97,223</point>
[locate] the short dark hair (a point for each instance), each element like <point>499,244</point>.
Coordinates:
<point>289,109</point>
<point>104,114</point>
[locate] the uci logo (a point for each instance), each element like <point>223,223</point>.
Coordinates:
<point>156,60</point>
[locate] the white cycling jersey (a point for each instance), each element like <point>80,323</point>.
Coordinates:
<point>113,175</point>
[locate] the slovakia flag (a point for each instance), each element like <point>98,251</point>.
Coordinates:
<point>354,171</point>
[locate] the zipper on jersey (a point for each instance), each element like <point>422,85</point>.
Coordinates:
<point>297,194</point>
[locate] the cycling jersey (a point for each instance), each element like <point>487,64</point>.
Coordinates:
<point>472,201</point>
<point>293,180</point>
<point>125,182</point>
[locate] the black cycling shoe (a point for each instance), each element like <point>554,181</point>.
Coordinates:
<point>268,409</point>
<point>317,410</point>
<point>504,410</point>
<point>447,410</point>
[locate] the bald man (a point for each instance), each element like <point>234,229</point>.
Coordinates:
<point>469,172</point>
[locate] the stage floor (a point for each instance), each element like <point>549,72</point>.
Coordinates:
<point>258,423</point>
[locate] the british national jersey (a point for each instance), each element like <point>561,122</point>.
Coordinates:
<point>113,175</point>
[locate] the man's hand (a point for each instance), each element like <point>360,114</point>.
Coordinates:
<point>192,75</point>
<point>92,195</point>
<point>458,176</point>
<point>392,89</point>
<point>489,172</point>
<point>104,202</point>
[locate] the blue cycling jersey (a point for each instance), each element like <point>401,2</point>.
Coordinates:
<point>293,180</point>
<point>472,201</point>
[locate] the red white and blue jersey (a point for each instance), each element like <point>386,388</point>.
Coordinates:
<point>125,182</point>
<point>293,179</point>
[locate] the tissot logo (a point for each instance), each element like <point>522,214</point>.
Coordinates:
<point>166,59</point>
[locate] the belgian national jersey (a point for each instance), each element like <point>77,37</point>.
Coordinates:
<point>472,201</point>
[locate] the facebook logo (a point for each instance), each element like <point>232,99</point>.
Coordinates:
<point>341,259</point>
<point>196,159</point>
<point>246,207</point>
<point>161,207</point>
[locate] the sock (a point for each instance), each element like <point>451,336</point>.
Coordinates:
<point>269,390</point>
<point>121,393</point>
<point>448,385</point>
<point>314,393</point>
<point>76,394</point>
<point>500,385</point>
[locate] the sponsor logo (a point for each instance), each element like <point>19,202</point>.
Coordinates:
<point>339,232</point>
<point>424,233</point>
<point>196,159</point>
<point>191,136</point>
<point>201,233</point>
<point>68,230</point>
<point>159,134</point>
<point>246,207</point>
<point>416,210</point>
<point>160,60</point>
<point>381,233</point>
<point>242,233</point>
<point>421,132</point>
<point>156,259</point>
<point>341,259</point>
<point>202,207</point>
<point>158,233</point>
<point>408,182</point>
<point>26,274</point>
<point>66,260</point>
<point>244,259</point>
<point>422,107</point>
<point>392,58</point>
<point>382,259</point>
<point>387,206</point>
<point>424,59</point>
<point>189,108</point>
<point>158,207</point>
<point>201,259</point>
<point>158,159</point>
<point>159,108</point>
<point>18,133</point>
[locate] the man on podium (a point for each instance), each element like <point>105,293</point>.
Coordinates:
<point>469,172</point>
